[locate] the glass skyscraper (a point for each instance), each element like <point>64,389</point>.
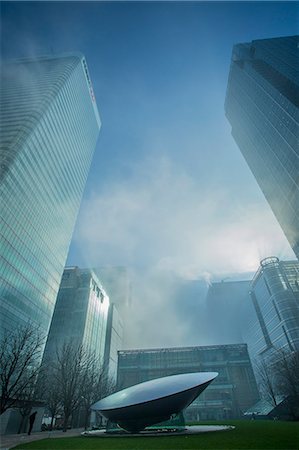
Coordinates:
<point>113,342</point>
<point>262,106</point>
<point>275,301</point>
<point>80,315</point>
<point>227,309</point>
<point>49,128</point>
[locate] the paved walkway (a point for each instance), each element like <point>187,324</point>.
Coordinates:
<point>11,440</point>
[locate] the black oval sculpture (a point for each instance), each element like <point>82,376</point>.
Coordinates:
<point>154,401</point>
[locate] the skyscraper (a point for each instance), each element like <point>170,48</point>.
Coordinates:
<point>275,300</point>
<point>262,106</point>
<point>117,284</point>
<point>80,315</point>
<point>227,309</point>
<point>113,342</point>
<point>49,128</point>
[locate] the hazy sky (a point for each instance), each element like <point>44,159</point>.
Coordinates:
<point>168,188</point>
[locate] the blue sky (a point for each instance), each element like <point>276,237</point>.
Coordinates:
<point>168,188</point>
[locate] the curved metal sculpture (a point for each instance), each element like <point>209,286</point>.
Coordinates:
<point>154,401</point>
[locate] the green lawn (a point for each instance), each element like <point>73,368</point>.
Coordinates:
<point>255,435</point>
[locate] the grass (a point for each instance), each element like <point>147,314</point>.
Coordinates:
<point>254,435</point>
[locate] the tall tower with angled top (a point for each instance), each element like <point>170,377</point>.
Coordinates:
<point>262,102</point>
<point>49,129</point>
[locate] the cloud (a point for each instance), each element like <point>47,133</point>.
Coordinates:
<point>166,310</point>
<point>164,217</point>
<point>171,227</point>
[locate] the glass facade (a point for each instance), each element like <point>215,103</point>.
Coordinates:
<point>227,309</point>
<point>275,299</point>
<point>262,106</point>
<point>114,341</point>
<point>80,314</point>
<point>230,394</point>
<point>117,284</point>
<point>49,128</point>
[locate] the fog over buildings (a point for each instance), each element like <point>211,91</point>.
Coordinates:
<point>169,195</point>
<point>171,237</point>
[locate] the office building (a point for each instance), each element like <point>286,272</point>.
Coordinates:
<point>114,342</point>
<point>116,282</point>
<point>262,106</point>
<point>80,315</point>
<point>227,309</point>
<point>230,394</point>
<point>49,128</point>
<point>275,301</point>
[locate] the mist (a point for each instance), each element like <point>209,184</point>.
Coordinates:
<point>169,194</point>
<point>176,236</point>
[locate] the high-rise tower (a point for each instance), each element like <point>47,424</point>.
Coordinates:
<point>227,309</point>
<point>275,299</point>
<point>49,128</point>
<point>262,106</point>
<point>80,315</point>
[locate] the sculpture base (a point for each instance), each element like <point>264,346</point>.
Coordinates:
<point>175,423</point>
<point>188,430</point>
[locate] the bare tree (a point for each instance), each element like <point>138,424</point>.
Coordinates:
<point>91,376</point>
<point>96,385</point>
<point>50,392</point>
<point>25,402</point>
<point>20,355</point>
<point>287,370</point>
<point>70,369</point>
<point>75,380</point>
<point>278,376</point>
<point>267,382</point>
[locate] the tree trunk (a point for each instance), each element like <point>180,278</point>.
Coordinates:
<point>86,419</point>
<point>65,421</point>
<point>52,421</point>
